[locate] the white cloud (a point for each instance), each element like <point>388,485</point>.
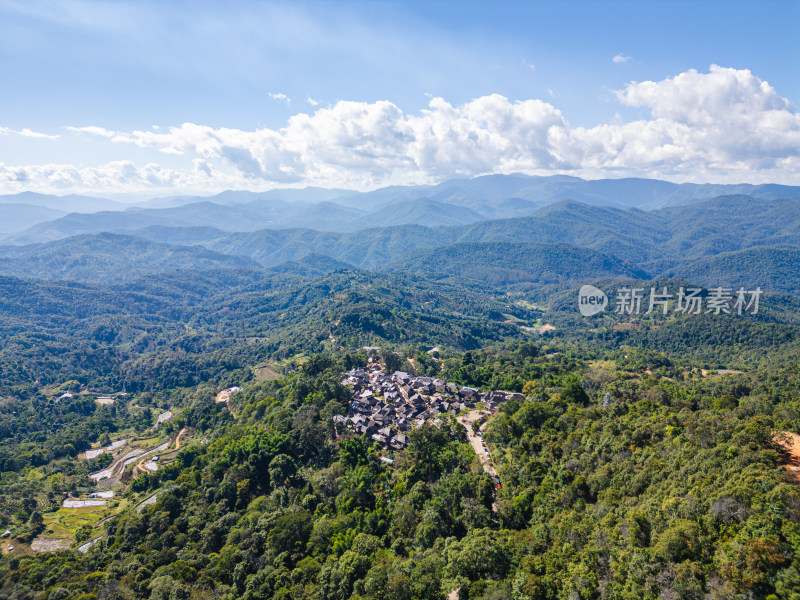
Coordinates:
<point>27,133</point>
<point>92,130</point>
<point>312,102</point>
<point>620,59</point>
<point>280,97</point>
<point>115,177</point>
<point>723,118</point>
<point>724,125</point>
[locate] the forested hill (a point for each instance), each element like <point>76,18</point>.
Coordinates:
<point>452,202</point>
<point>179,415</point>
<point>423,211</point>
<point>653,241</point>
<point>732,241</point>
<point>110,258</point>
<point>500,263</point>
<point>622,473</point>
<point>774,269</point>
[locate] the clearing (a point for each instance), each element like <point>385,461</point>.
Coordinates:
<point>790,457</point>
<point>266,373</point>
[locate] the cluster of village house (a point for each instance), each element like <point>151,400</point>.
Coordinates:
<point>386,407</point>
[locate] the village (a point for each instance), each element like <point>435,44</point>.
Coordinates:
<point>386,407</point>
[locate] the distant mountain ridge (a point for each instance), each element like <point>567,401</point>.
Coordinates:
<point>16,217</point>
<point>252,216</point>
<point>65,204</point>
<point>653,242</point>
<point>454,202</point>
<point>422,211</point>
<point>732,239</point>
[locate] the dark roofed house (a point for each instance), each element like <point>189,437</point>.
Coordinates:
<point>361,407</point>
<point>399,442</point>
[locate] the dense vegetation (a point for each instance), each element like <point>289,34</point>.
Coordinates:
<point>646,458</point>
<point>670,488</point>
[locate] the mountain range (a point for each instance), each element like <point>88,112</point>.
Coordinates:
<point>40,218</point>
<point>728,240</point>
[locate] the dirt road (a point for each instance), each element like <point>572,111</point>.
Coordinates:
<point>476,441</point>
<point>477,444</point>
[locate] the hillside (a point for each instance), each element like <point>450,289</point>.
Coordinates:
<point>504,263</point>
<point>18,217</point>
<point>312,265</point>
<point>450,203</point>
<point>773,269</point>
<point>109,258</point>
<point>653,242</point>
<point>423,211</point>
<point>649,242</point>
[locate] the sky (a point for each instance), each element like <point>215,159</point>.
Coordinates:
<point>163,98</point>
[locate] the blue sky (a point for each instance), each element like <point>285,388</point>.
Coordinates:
<point>172,97</point>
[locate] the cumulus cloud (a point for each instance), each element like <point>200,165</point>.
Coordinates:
<point>724,125</point>
<point>723,118</point>
<point>112,177</point>
<point>620,59</point>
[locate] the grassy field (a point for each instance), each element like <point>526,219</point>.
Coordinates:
<point>64,522</point>
<point>266,373</point>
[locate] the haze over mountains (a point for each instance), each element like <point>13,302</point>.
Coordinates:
<point>455,202</point>
<point>501,230</point>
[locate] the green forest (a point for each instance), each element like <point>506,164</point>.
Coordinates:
<point>236,418</point>
<point>645,457</point>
